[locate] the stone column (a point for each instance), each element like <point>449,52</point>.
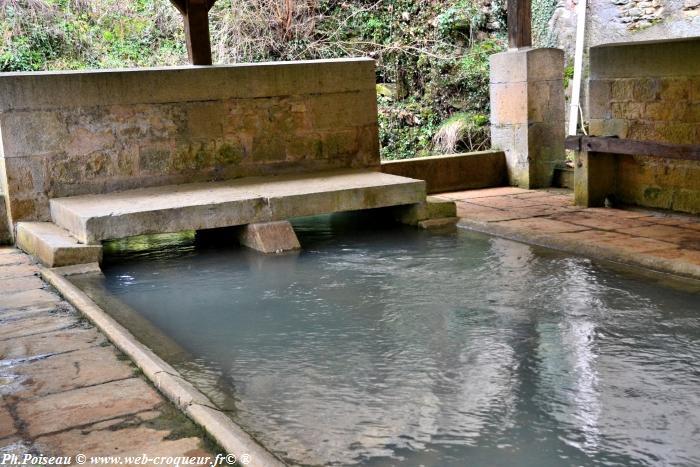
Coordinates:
<point>527,113</point>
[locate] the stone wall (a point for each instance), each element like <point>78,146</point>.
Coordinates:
<point>453,172</point>
<point>527,113</point>
<point>650,91</point>
<point>71,133</point>
<point>610,21</point>
<point>640,14</point>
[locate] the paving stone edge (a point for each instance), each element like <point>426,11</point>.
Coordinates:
<point>601,252</point>
<point>166,379</point>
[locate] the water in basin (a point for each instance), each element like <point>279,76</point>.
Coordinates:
<point>384,345</point>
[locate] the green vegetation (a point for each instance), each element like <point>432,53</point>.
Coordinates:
<point>432,56</point>
<point>568,75</point>
<point>76,34</point>
<point>542,11</point>
<point>462,129</point>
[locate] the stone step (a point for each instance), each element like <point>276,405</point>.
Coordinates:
<point>197,206</point>
<point>54,246</point>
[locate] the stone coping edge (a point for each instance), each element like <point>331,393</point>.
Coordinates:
<point>166,379</point>
<point>42,91</point>
<point>600,252</point>
<point>459,155</point>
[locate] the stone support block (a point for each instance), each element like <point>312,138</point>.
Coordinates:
<point>54,246</point>
<point>430,224</point>
<point>528,113</point>
<point>426,214</point>
<point>269,237</point>
<point>594,178</point>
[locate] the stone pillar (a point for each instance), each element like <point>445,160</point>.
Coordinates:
<point>528,113</point>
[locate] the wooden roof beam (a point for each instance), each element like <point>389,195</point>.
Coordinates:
<point>519,23</point>
<point>196,16</point>
<point>181,5</point>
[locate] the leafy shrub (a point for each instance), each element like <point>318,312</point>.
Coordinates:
<point>462,132</point>
<point>461,19</point>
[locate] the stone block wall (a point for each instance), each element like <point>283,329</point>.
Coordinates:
<point>453,172</point>
<point>650,92</point>
<point>527,113</point>
<point>639,14</point>
<point>72,133</point>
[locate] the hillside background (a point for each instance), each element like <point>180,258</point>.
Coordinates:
<point>432,55</point>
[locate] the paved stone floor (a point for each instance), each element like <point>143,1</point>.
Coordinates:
<point>66,390</point>
<point>656,240</point>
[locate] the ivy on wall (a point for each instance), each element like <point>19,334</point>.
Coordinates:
<point>542,11</point>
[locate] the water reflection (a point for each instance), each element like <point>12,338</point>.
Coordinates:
<point>390,346</point>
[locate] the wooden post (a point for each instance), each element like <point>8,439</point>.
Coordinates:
<point>519,24</point>
<point>196,16</point>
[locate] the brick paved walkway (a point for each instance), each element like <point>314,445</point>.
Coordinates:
<point>660,241</point>
<point>65,389</point>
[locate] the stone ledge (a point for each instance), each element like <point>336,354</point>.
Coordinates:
<point>176,208</point>
<point>432,209</point>
<point>69,89</point>
<point>648,59</point>
<point>54,246</point>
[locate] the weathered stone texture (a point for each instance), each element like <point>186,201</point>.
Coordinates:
<point>433,208</point>
<point>662,241</point>
<point>269,237</point>
<point>649,92</point>
<point>201,206</point>
<point>67,134</point>
<point>527,113</point>
<point>54,246</point>
<point>454,171</point>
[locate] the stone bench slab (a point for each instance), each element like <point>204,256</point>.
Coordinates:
<point>54,246</point>
<point>198,206</point>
